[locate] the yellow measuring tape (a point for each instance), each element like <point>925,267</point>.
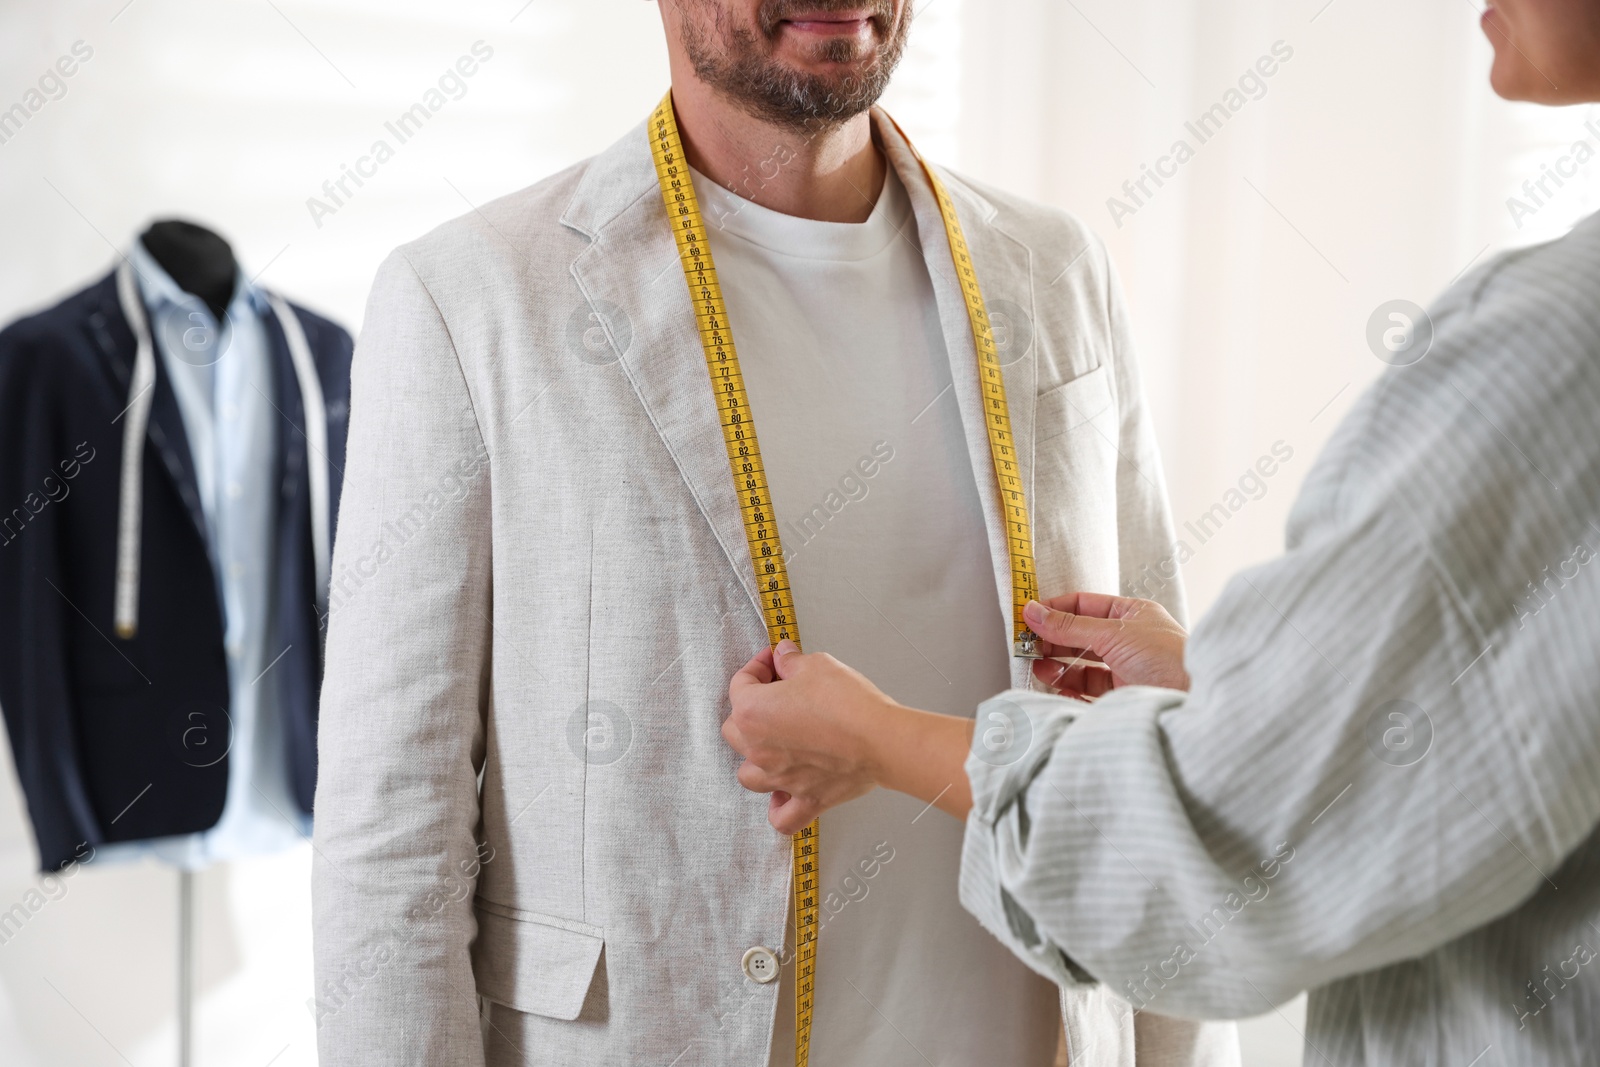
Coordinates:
<point>997,420</point>
<point>755,498</point>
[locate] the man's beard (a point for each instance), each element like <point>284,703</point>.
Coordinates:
<point>739,64</point>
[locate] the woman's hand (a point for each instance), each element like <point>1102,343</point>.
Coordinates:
<point>1107,641</point>
<point>815,733</point>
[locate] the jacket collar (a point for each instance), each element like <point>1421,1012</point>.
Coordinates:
<point>613,182</point>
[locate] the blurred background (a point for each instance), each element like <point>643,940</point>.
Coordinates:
<point>1372,165</point>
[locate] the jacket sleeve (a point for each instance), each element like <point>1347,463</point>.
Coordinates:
<point>1147,558</point>
<point>401,737</point>
<point>34,608</point>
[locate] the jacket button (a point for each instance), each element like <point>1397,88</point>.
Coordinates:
<point>760,965</point>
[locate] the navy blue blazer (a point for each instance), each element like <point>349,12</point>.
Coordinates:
<point>125,740</point>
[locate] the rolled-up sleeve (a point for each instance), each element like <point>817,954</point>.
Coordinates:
<point>1378,754</point>
<point>999,811</point>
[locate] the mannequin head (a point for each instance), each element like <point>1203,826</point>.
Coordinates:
<point>197,259</point>
<point>1545,51</point>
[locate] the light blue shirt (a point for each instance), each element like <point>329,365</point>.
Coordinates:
<point>224,383</point>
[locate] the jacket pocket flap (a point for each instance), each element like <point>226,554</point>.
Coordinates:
<point>534,963</point>
<point>1073,403</point>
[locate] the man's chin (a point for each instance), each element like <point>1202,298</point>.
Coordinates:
<point>797,82</point>
<point>837,78</point>
<point>827,56</point>
<point>835,68</point>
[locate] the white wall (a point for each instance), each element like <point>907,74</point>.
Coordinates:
<point>1375,166</point>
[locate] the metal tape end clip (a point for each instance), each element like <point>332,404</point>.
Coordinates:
<point>1026,646</point>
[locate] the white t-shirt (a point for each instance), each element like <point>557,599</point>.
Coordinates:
<point>848,375</point>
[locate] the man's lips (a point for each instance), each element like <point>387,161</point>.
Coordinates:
<point>843,24</point>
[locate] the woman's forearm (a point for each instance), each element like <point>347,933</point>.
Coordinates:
<point>816,734</point>
<point>924,755</point>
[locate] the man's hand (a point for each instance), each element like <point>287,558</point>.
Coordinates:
<point>815,733</point>
<point>1106,641</point>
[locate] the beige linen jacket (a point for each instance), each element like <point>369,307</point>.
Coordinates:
<point>541,588</point>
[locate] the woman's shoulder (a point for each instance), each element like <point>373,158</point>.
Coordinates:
<point>1498,407</point>
<point>1554,281</point>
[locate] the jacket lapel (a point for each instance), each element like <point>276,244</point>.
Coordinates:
<point>172,444</point>
<point>294,552</point>
<point>630,275</point>
<point>291,460</point>
<point>1005,278</point>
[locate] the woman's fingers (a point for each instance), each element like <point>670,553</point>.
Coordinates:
<point>1074,678</point>
<point>741,729</point>
<point>1099,605</point>
<point>1072,630</point>
<point>790,815</point>
<point>804,724</point>
<point>1090,605</point>
<point>755,779</point>
<point>787,813</point>
<point>1064,652</point>
<point>734,736</point>
<point>786,659</point>
<point>758,671</point>
<point>1136,641</point>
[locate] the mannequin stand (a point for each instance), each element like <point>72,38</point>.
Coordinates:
<point>185,968</point>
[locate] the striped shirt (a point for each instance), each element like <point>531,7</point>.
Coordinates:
<point>1384,783</point>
